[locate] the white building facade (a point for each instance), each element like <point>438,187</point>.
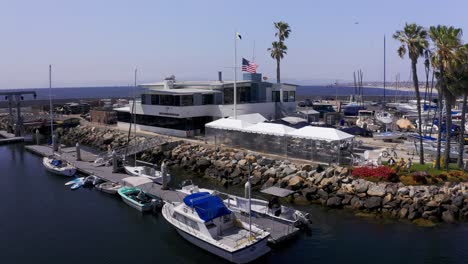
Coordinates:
<point>183,108</point>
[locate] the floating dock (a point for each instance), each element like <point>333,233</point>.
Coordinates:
<point>278,231</point>
<point>8,138</point>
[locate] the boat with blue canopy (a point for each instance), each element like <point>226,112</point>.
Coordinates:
<point>204,220</point>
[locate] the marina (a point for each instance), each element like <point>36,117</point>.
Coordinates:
<point>278,231</point>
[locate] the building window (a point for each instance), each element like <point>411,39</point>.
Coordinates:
<point>275,96</point>
<point>228,95</point>
<point>176,100</point>
<point>154,99</point>
<point>292,96</point>
<point>186,100</point>
<point>285,96</point>
<point>207,99</point>
<point>166,100</point>
<point>143,99</point>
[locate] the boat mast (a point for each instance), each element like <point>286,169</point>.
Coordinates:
<point>134,110</point>
<point>50,103</point>
<point>384,72</point>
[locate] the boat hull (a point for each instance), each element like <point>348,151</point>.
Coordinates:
<point>245,255</point>
<point>109,190</point>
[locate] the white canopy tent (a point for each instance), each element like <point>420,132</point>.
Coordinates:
<point>254,118</point>
<point>228,124</point>
<point>321,133</point>
<point>269,129</point>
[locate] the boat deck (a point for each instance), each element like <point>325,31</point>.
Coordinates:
<point>278,231</point>
<point>233,237</point>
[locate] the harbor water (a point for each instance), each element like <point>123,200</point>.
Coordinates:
<point>43,221</point>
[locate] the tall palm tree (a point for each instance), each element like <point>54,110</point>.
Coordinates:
<point>447,40</point>
<point>413,39</point>
<point>278,49</point>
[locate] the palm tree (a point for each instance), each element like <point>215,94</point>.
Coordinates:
<point>447,40</point>
<point>278,49</point>
<point>457,78</point>
<point>413,39</point>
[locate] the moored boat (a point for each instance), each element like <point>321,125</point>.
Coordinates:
<point>138,199</point>
<point>109,187</point>
<point>58,166</point>
<point>205,221</point>
<point>387,135</point>
<point>147,172</point>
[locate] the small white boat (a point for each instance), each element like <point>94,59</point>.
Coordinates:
<point>109,187</point>
<point>384,117</point>
<point>58,166</point>
<point>206,222</point>
<point>147,172</point>
<point>74,181</point>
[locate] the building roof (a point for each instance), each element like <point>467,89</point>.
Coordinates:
<point>321,133</point>
<point>183,91</point>
<point>310,112</point>
<point>293,120</point>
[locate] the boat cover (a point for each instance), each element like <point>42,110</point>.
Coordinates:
<point>208,206</point>
<point>56,162</point>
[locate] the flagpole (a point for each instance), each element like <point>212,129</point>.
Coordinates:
<point>235,75</point>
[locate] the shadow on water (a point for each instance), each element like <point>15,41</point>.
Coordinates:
<point>43,221</point>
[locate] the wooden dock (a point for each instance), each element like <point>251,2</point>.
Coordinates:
<point>279,231</point>
<point>8,138</point>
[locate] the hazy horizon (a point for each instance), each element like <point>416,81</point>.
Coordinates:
<point>100,43</point>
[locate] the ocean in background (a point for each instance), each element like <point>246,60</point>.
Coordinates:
<point>127,91</point>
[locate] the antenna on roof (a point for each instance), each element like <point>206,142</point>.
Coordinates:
<point>253,52</point>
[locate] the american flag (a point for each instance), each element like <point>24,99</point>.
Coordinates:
<point>248,66</point>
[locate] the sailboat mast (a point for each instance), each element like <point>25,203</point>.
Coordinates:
<point>134,114</point>
<point>50,102</point>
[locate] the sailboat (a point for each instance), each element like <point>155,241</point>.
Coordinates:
<point>54,163</point>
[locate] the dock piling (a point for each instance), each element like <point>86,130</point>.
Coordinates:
<point>78,151</point>
<point>114,162</point>
<point>37,136</point>
<point>54,143</point>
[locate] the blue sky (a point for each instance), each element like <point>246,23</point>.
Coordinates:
<point>101,42</point>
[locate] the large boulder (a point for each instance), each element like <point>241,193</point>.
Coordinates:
<point>271,172</point>
<point>376,190</point>
<point>361,185</point>
<point>373,202</point>
<point>403,213</point>
<point>264,162</point>
<point>288,170</point>
<point>295,182</point>
<point>448,216</point>
<point>334,201</point>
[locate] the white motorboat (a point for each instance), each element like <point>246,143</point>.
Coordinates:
<point>147,172</point>
<point>206,222</point>
<point>109,187</point>
<point>384,117</point>
<point>366,120</point>
<point>284,214</point>
<point>389,135</point>
<point>188,188</point>
<point>58,166</point>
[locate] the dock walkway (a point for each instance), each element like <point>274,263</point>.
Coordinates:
<point>279,231</point>
<point>8,138</point>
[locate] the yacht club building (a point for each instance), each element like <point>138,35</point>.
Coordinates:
<point>183,108</point>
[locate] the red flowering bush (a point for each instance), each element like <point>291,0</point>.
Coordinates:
<point>380,173</point>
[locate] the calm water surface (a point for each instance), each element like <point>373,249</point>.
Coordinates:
<point>42,221</point>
